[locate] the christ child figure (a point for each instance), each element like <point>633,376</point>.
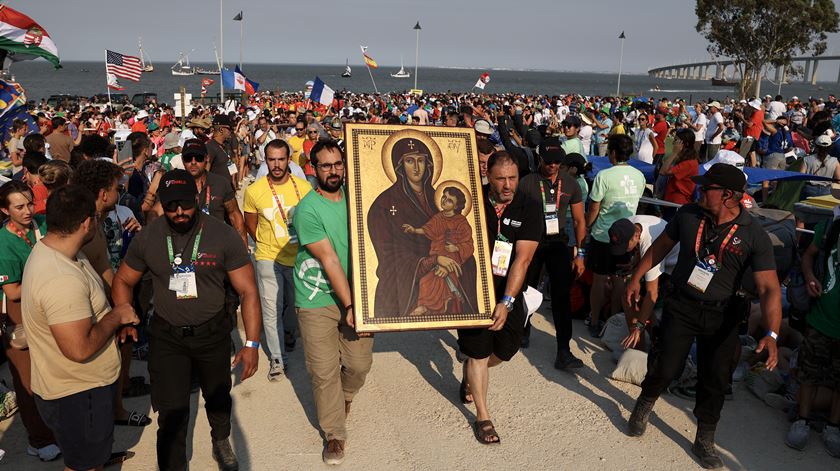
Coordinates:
<point>451,236</point>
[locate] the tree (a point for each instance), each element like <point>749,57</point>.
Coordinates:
<point>759,34</point>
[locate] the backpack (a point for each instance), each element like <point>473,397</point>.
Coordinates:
<point>797,292</point>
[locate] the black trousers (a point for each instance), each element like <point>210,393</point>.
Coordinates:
<point>174,353</point>
<point>557,259</point>
<point>716,331</point>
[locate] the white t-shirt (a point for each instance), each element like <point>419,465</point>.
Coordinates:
<point>702,121</point>
<point>653,227</point>
<point>776,109</point>
<point>717,119</point>
<point>644,148</point>
<point>585,135</point>
<point>261,147</point>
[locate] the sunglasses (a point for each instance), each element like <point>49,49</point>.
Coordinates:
<point>313,132</point>
<point>173,206</point>
<point>191,157</point>
<point>299,129</point>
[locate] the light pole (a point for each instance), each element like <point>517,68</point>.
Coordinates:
<point>222,49</point>
<point>620,63</point>
<point>416,53</point>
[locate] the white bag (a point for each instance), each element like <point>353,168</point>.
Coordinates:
<point>632,367</point>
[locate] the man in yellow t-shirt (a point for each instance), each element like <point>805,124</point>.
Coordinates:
<point>296,144</point>
<point>269,205</point>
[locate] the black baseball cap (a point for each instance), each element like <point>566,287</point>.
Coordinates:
<point>551,151</point>
<point>194,147</point>
<point>222,120</point>
<point>572,121</point>
<point>726,176</point>
<point>177,185</point>
<point>620,234</point>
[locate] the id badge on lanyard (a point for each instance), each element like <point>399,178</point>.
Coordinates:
<point>552,221</point>
<point>704,270</point>
<point>183,280</point>
<point>502,248</point>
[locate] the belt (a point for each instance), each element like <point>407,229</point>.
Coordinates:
<point>190,330</point>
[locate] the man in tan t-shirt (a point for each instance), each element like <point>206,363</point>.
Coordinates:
<point>61,144</point>
<point>70,328</point>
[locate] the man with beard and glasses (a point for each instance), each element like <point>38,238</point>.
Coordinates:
<point>269,208</point>
<point>189,255</point>
<point>337,358</point>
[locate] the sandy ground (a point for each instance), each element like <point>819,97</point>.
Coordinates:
<point>408,416</point>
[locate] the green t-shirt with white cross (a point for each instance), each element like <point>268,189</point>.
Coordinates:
<point>618,189</point>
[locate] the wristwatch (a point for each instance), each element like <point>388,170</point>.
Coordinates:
<point>508,302</point>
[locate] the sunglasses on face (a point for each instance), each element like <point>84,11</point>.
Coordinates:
<point>299,129</point>
<point>190,158</point>
<point>173,206</point>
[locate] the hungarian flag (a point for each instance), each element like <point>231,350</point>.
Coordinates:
<point>482,81</point>
<point>113,84</point>
<point>369,60</point>
<point>24,39</point>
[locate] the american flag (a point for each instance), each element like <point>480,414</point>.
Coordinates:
<point>127,67</point>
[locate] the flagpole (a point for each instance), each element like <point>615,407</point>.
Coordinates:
<point>620,63</point>
<point>241,36</point>
<point>222,52</point>
<point>416,53</point>
<point>371,78</point>
<point>106,80</point>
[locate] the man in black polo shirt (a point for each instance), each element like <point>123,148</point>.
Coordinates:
<point>718,241</point>
<point>514,227</point>
<point>554,191</point>
<point>189,255</point>
<point>217,149</point>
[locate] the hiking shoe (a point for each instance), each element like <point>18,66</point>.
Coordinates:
<point>566,361</point>
<point>831,440</point>
<point>704,448</point>
<point>637,423</point>
<point>224,455</point>
<point>276,370</point>
<point>333,452</point>
<point>797,436</point>
<point>47,453</point>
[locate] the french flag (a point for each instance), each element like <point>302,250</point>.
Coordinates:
<point>236,80</point>
<point>322,93</point>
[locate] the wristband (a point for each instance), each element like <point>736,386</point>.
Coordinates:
<point>348,307</point>
<point>252,344</point>
<point>772,335</point>
<point>507,298</point>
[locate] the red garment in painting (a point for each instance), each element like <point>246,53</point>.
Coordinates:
<point>435,294</point>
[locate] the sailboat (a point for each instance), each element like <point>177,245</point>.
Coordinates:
<point>145,65</point>
<point>200,71</point>
<point>182,67</point>
<point>347,72</point>
<point>402,73</point>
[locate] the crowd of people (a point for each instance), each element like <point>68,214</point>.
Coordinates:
<point>123,238</point>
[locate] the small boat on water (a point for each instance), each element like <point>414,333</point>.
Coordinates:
<point>145,65</point>
<point>347,72</point>
<point>401,73</point>
<point>200,71</point>
<point>183,67</point>
<point>721,82</point>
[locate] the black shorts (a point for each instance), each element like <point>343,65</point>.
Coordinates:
<point>601,261</point>
<point>481,343</point>
<point>83,425</point>
<point>819,359</point>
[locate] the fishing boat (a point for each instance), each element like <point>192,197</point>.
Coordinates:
<point>402,73</point>
<point>145,65</point>
<point>347,72</point>
<point>183,67</point>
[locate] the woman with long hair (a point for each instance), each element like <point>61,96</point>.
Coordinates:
<point>679,187</point>
<point>644,140</point>
<point>20,231</point>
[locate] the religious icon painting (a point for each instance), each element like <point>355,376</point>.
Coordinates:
<point>418,241</point>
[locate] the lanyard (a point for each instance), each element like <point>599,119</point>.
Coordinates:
<point>277,200</point>
<point>499,211</point>
<point>557,198</point>
<point>722,244</point>
<point>177,260</point>
<point>207,200</point>
<point>25,235</point>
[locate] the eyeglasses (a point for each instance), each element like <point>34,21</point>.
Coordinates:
<point>335,165</point>
<point>706,188</point>
<point>191,157</point>
<point>173,206</point>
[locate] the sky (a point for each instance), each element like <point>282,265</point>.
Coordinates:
<point>525,34</point>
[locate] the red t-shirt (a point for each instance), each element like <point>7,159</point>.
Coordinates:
<point>679,188</point>
<point>40,194</point>
<point>661,130</point>
<point>754,128</point>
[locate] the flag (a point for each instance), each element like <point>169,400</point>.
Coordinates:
<point>11,95</point>
<point>621,36</point>
<point>113,84</point>
<point>7,120</point>
<point>369,60</point>
<point>322,93</point>
<point>482,81</point>
<point>236,80</point>
<point>238,17</point>
<point>206,82</point>
<point>127,67</point>
<point>23,39</point>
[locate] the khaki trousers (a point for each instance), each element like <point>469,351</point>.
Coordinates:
<point>338,361</point>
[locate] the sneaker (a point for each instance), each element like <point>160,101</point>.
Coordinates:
<point>831,440</point>
<point>224,455</point>
<point>275,370</point>
<point>333,452</point>
<point>797,436</point>
<point>47,453</point>
<point>566,361</point>
<point>8,405</point>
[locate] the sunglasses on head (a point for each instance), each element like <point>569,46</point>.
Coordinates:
<point>173,206</point>
<point>191,157</point>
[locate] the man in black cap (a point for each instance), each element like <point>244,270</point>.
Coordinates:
<point>554,191</point>
<point>189,255</point>
<point>573,145</point>
<point>221,160</point>
<point>336,132</point>
<point>718,241</point>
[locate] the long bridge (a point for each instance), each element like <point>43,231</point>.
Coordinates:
<point>703,70</point>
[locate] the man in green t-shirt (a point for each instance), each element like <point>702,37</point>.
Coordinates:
<point>338,359</point>
<point>819,355</point>
<point>171,148</point>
